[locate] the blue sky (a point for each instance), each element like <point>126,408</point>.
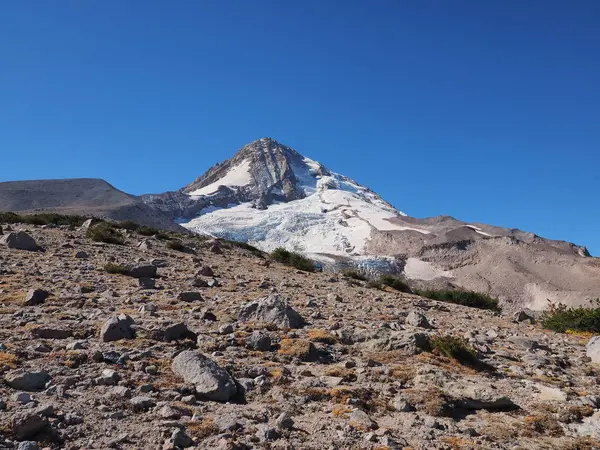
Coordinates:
<point>487,111</point>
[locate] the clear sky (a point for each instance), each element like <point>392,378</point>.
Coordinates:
<point>487,111</point>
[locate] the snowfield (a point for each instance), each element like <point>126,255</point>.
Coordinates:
<point>337,215</point>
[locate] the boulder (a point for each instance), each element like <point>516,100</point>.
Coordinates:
<point>117,328</point>
<point>416,319</point>
<point>593,349</point>
<point>175,332</point>
<point>26,425</point>
<point>259,340</point>
<point>190,297</point>
<point>272,309</point>
<point>35,297</point>
<point>27,380</point>
<point>19,241</point>
<point>211,380</point>
<point>51,333</point>
<point>142,271</point>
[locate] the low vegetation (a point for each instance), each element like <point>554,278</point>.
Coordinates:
<point>455,348</point>
<point>354,275</point>
<point>42,219</point>
<point>105,232</point>
<point>244,246</point>
<point>176,245</point>
<point>391,281</point>
<point>116,269</point>
<point>561,318</point>
<point>460,297</point>
<point>128,225</point>
<point>293,259</point>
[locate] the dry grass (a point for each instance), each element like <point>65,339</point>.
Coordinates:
<point>341,372</point>
<point>341,411</point>
<point>323,336</point>
<point>297,348</point>
<point>202,429</point>
<point>403,373</point>
<point>457,443</point>
<point>9,360</point>
<point>543,424</point>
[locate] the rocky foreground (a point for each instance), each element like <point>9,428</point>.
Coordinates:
<point>212,346</point>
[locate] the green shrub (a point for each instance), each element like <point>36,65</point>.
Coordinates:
<point>42,219</point>
<point>455,348</point>
<point>293,259</point>
<point>460,297</point>
<point>394,282</point>
<point>147,231</point>
<point>128,225</point>
<point>245,246</point>
<point>353,274</point>
<point>104,232</point>
<point>176,245</point>
<point>116,269</point>
<point>561,318</point>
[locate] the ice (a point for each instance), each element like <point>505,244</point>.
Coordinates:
<point>237,176</point>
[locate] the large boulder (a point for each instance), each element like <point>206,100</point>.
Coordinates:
<point>593,349</point>
<point>175,332</point>
<point>142,271</point>
<point>27,424</point>
<point>210,379</point>
<point>35,297</point>
<point>19,241</point>
<point>272,309</point>
<point>23,380</point>
<point>117,328</point>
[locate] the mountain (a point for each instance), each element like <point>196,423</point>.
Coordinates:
<point>81,196</point>
<point>270,196</point>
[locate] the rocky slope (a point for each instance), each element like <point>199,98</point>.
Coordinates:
<point>219,348</point>
<point>79,196</point>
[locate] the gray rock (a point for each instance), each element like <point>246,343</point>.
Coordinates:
<point>142,271</point>
<point>416,319</point>
<point>142,403</point>
<point>23,398</point>
<point>19,241</point>
<point>35,297</point>
<point>284,421</point>
<point>26,425</point>
<point>259,340</point>
<point>190,297</point>
<point>361,420</point>
<point>86,225</point>
<point>27,445</point>
<point>147,283</point>
<point>266,433</point>
<point>210,379</point>
<point>117,328</point>
<point>27,380</point>
<point>81,255</point>
<point>206,271</point>
<point>175,332</point>
<point>180,439</point>
<point>51,333</point>
<point>400,404</point>
<point>226,329</point>
<point>593,349</point>
<point>272,309</point>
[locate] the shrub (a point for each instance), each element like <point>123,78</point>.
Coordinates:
<point>147,231</point>
<point>116,269</point>
<point>128,225</point>
<point>42,219</point>
<point>293,259</point>
<point>460,297</point>
<point>176,245</point>
<point>245,246</point>
<point>561,318</point>
<point>353,274</point>
<point>455,348</point>
<point>394,282</point>
<point>105,232</point>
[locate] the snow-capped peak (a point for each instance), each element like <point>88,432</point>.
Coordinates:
<point>270,195</point>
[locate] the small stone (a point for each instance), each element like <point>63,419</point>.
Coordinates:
<point>259,340</point>
<point>23,398</point>
<point>81,255</point>
<point>418,320</point>
<point>117,328</point>
<point>147,283</point>
<point>226,329</point>
<point>142,403</point>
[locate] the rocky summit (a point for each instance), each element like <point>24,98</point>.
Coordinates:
<point>186,342</point>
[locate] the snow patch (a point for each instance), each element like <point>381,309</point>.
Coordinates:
<point>237,176</point>
<point>421,270</point>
